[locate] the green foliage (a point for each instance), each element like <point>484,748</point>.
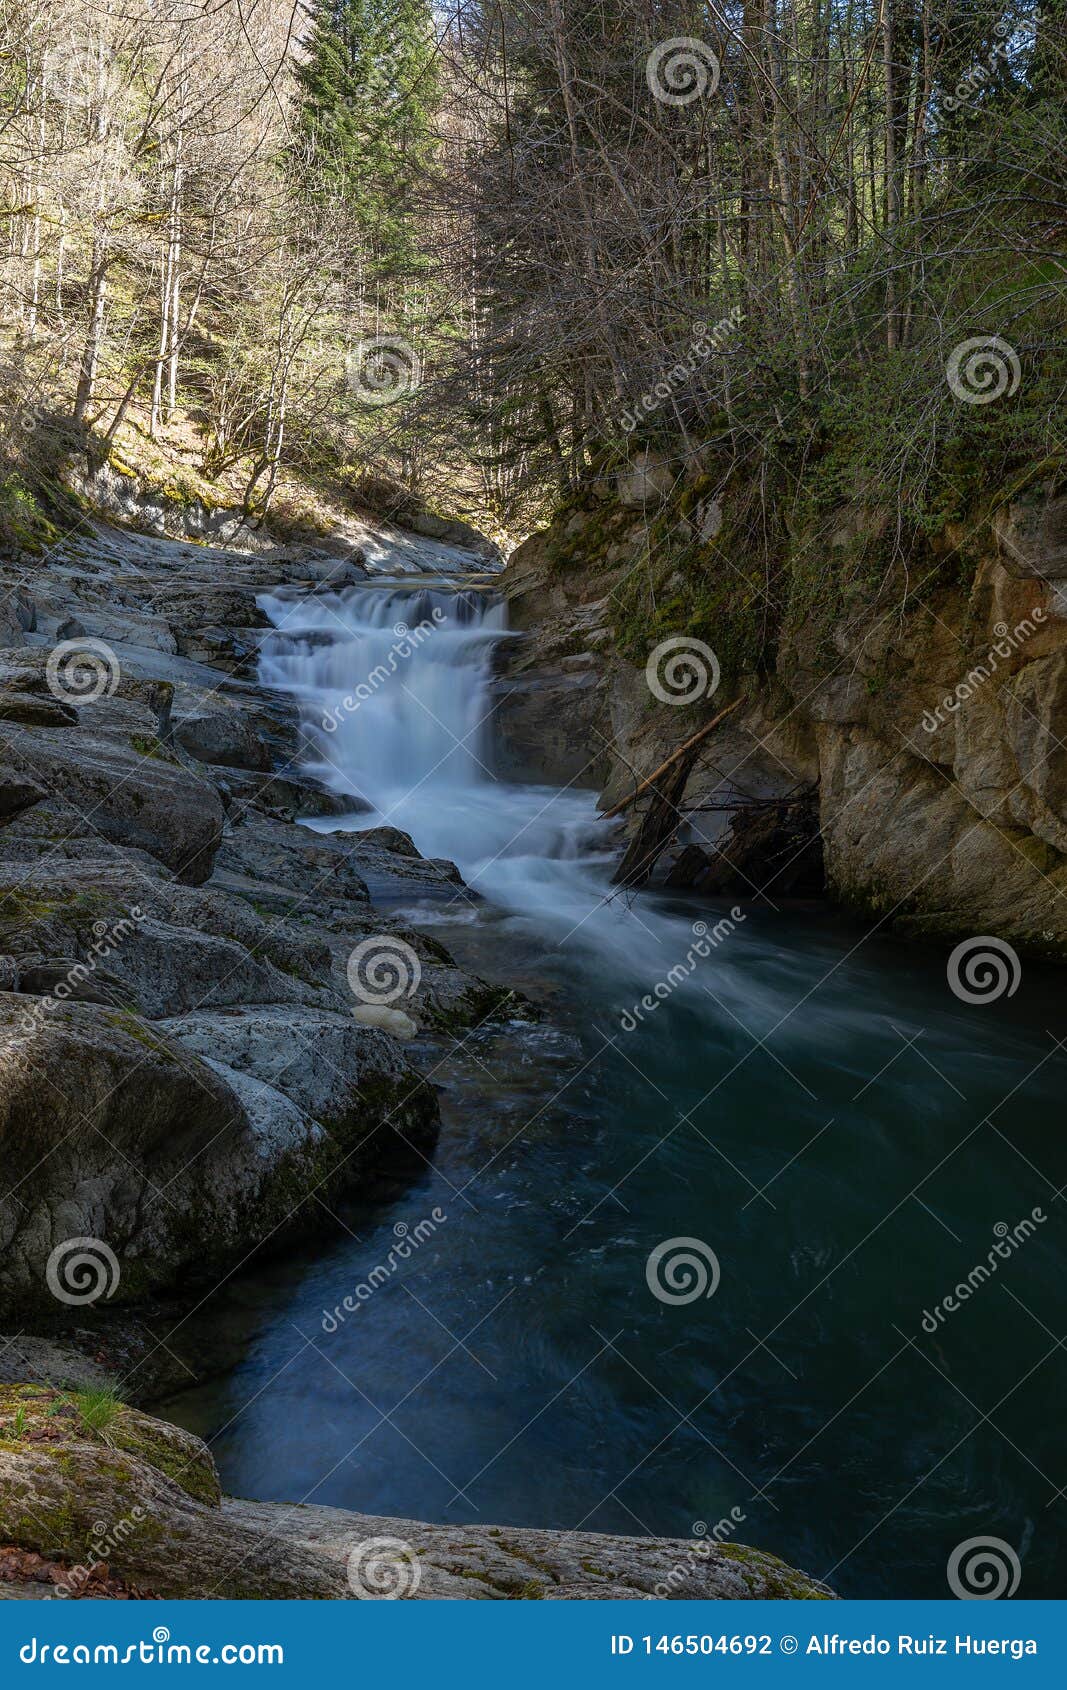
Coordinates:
<point>23,523</point>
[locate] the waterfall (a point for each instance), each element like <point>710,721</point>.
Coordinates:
<point>393,685</point>
<point>395,693</point>
<point>395,690</point>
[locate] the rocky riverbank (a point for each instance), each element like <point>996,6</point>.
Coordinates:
<point>183,1077</point>
<point>896,735</point>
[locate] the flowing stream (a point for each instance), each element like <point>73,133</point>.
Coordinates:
<point>844,1139</point>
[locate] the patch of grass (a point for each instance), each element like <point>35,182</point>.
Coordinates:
<point>98,1407</point>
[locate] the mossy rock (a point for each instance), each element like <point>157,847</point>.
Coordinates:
<point>140,1496</point>
<point>772,1579</point>
<point>52,1419</point>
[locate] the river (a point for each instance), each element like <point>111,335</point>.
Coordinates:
<point>841,1139</point>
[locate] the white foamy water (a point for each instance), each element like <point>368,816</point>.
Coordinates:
<point>395,694</point>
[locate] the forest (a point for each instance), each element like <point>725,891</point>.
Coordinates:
<point>480,251</point>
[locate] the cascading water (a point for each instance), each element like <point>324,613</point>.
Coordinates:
<point>392,684</point>
<point>395,694</point>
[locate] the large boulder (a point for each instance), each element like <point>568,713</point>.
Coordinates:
<point>163,946</point>
<point>389,860</point>
<point>311,871</point>
<point>141,1497</point>
<point>486,1563</point>
<point>110,1132</point>
<point>113,1130</point>
<point>126,788</point>
<point>328,1066</point>
<point>224,737</point>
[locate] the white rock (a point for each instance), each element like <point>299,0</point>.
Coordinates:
<point>390,1020</point>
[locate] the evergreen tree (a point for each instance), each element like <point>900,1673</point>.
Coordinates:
<point>369,88</point>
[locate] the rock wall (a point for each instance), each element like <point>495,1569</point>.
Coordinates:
<point>928,711</point>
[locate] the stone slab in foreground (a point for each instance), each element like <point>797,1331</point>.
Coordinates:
<point>83,1486</point>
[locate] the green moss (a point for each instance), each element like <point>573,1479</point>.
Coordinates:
<point>153,1442</point>
<point>99,1417</point>
<point>776,1580</point>
<point>24,523</point>
<point>132,1025</point>
<point>697,590</point>
<point>17,905</point>
<point>151,747</point>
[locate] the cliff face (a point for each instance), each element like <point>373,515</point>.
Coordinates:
<point>919,690</point>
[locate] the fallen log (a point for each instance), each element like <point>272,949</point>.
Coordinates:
<point>657,827</point>
<point>668,762</point>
